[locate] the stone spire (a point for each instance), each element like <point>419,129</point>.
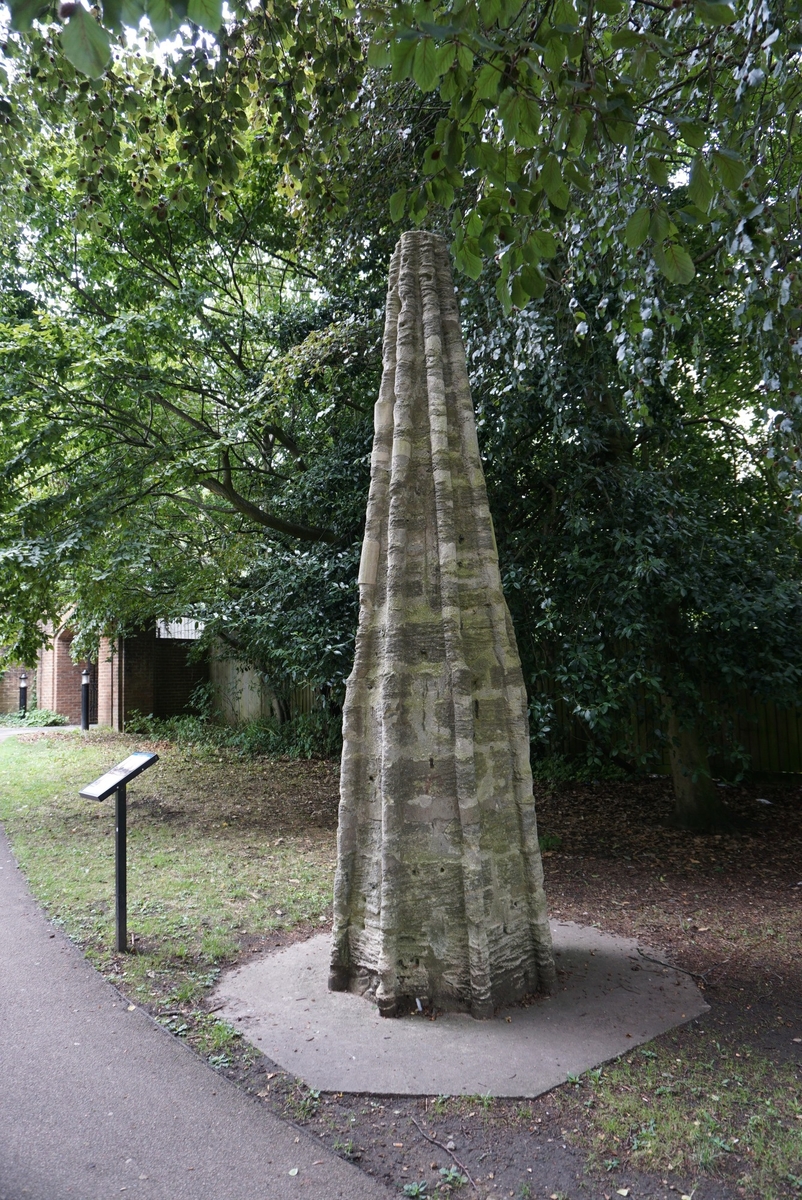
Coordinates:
<point>439,886</point>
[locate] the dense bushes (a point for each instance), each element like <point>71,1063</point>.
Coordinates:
<point>305,735</point>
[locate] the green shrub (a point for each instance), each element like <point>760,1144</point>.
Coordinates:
<point>33,717</point>
<point>317,734</point>
<point>306,735</point>
<point>558,768</point>
<point>187,729</point>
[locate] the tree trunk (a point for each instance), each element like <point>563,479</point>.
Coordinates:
<point>280,707</point>
<point>697,804</point>
<point>439,887</point>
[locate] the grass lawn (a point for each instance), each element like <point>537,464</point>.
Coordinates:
<point>228,857</point>
<point>219,850</point>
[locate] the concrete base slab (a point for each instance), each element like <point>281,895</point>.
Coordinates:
<point>609,999</point>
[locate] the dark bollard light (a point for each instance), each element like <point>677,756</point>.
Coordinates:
<point>85,700</point>
<point>23,693</point>
<point>115,780</point>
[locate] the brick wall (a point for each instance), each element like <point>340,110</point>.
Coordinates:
<point>58,678</point>
<point>143,673</point>
<point>139,656</point>
<point>175,678</point>
<point>109,683</point>
<point>9,689</point>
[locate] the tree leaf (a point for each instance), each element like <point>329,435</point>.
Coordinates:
<point>510,9</point>
<point>23,12</point>
<point>86,44</point>
<point>658,225</point>
<point>206,13</point>
<point>379,54</point>
<point>714,13</point>
<point>469,259</point>
<point>577,130</point>
<point>637,228</point>
<point>442,192</point>
<point>552,180</point>
<point>519,292</point>
<point>626,39</point>
<point>489,11</point>
<point>730,168</point>
<point>692,132</point>
<point>161,17</point>
<point>555,53</point>
<point>132,12</point>
<point>112,14</point>
<point>398,204</point>
<point>503,293</point>
<point>445,57</point>
<point>534,282</point>
<point>528,122</point>
<point>564,16</point>
<point>465,57</point>
<point>509,110</point>
<point>657,170</point>
<point>675,262</point>
<point>487,82</point>
<point>541,244</point>
<point>403,56</point>
<point>425,70</point>
<point>700,185</point>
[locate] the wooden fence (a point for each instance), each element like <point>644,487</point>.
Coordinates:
<point>771,735</point>
<point>241,695</point>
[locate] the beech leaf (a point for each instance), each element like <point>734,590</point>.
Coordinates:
<point>675,262</point>
<point>398,203</point>
<point>553,185</point>
<point>534,282</point>
<point>713,13</point>
<point>700,185</point>
<point>730,168</point>
<point>468,258</point>
<point>425,67</point>
<point>86,44</point>
<point>206,13</point>
<point>23,12</point>
<point>403,56</point>
<point>542,244</point>
<point>379,54</point>
<point>637,228</point>
<point>160,17</point>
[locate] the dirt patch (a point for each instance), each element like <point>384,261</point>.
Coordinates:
<point>726,907</point>
<point>270,797</point>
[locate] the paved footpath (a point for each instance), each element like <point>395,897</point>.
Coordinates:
<point>97,1101</point>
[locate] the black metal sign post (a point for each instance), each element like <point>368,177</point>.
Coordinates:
<point>116,780</point>
<point>120,870</point>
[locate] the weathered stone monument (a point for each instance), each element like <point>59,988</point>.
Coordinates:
<point>439,889</point>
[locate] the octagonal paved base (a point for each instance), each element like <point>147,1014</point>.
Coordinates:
<point>609,999</point>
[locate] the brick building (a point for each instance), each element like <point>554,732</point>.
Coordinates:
<point>148,672</point>
<point>58,678</point>
<point>9,688</point>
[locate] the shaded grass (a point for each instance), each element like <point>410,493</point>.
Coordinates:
<point>710,1111</point>
<point>204,871</point>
